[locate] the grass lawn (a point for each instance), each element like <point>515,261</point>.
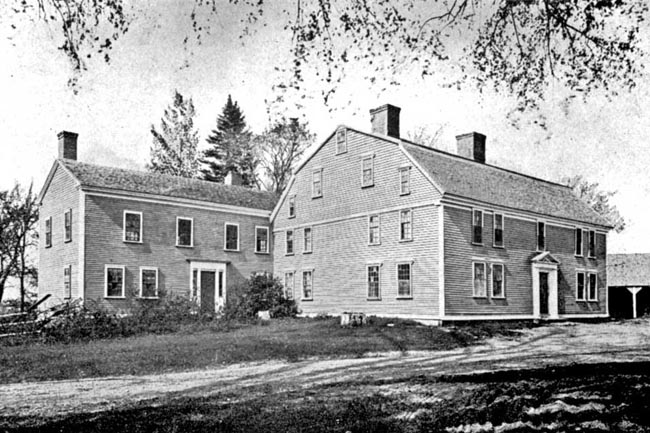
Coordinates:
<point>194,348</point>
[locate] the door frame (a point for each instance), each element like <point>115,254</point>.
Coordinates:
<point>216,267</point>
<point>551,269</point>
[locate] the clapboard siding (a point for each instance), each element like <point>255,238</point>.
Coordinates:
<point>62,195</point>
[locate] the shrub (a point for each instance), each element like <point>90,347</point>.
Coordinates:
<point>260,292</point>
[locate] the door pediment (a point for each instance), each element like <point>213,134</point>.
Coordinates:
<point>545,258</point>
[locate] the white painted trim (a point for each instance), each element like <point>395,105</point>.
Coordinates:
<point>126,211</point>
<point>286,242</point>
<point>290,207</point>
<point>583,316</point>
<point>589,256</point>
<point>81,235</point>
<point>503,281</point>
<point>364,158</point>
<point>315,170</point>
<point>400,171</point>
<point>67,294</point>
<point>302,285</point>
<point>441,260</point>
<point>311,240</point>
<point>474,211</point>
<point>577,230</point>
<point>268,239</point>
<point>399,226</point>
<point>148,268</point>
<point>174,201</point>
<point>589,298</point>
<point>48,219</point>
<point>584,286</point>
<point>293,284</point>
<point>225,236</point>
<point>488,259</point>
<point>606,287</point>
<point>545,247</point>
<point>378,297</point>
<point>191,245</point>
<point>106,267</point>
<point>378,229</point>
<point>397,264</point>
<point>66,239</point>
<point>474,295</point>
<point>494,230</point>
<point>337,150</point>
<point>490,317</point>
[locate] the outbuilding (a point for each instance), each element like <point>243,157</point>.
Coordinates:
<point>628,276</point>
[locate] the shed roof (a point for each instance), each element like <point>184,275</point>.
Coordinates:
<point>628,270</point>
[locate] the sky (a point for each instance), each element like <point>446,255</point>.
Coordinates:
<point>603,140</point>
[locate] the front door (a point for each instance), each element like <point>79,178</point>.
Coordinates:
<point>543,293</point>
<point>207,282</point>
<point>208,285</point>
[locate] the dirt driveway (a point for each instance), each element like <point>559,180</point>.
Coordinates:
<point>557,344</point>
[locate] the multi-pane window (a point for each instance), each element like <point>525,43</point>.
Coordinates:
<point>541,236</point>
<point>289,242</point>
<point>592,290</point>
<point>367,171</point>
<point>306,246</point>
<point>479,280</point>
<point>477,226</point>
<point>48,232</point>
<point>317,183</point>
<point>498,281</point>
<point>67,282</point>
<point>132,226</point>
<point>288,285</point>
<point>261,239</point>
<point>374,230</point>
<point>404,287</point>
<point>578,242</point>
<point>405,180</point>
<point>498,230</point>
<point>148,282</point>
<point>292,206</point>
<point>184,232</point>
<point>67,225</point>
<point>592,243</point>
<point>307,285</point>
<point>114,281</point>
<point>231,241</point>
<point>405,225</point>
<point>341,141</point>
<point>580,286</point>
<point>373,282</point>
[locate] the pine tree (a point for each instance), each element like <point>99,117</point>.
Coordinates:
<point>174,148</point>
<point>231,148</point>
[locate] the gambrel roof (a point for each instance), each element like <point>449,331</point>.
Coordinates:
<point>133,181</point>
<point>628,270</point>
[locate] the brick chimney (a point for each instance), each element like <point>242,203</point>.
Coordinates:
<point>472,146</point>
<point>233,178</point>
<point>67,145</point>
<point>385,120</point>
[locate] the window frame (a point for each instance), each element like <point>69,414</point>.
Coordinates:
<point>370,158</point>
<point>410,222</point>
<point>314,172</point>
<point>485,280</point>
<point>191,220</point>
<point>67,282</point>
<point>475,226</point>
<point>141,273</point>
<point>494,230</point>
<point>225,236</point>
<point>268,238</point>
<point>133,212</point>
<point>578,252</point>
<point>584,286</point>
<point>405,170</point>
<point>537,238</point>
<point>591,246</point>
<point>306,230</point>
<point>410,293</point>
<point>503,280</point>
<point>370,227</point>
<point>368,295</point>
<point>123,269</point>
<point>286,243</point>
<point>344,148</point>
<point>302,285</point>
<point>589,287</point>
<point>67,225</point>
<point>48,232</point>
<point>291,208</point>
<point>293,284</point>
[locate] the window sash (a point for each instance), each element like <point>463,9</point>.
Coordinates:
<point>289,242</point>
<point>292,206</point>
<point>498,281</point>
<point>48,232</point>
<point>307,240</point>
<point>261,239</point>
<point>67,225</point>
<point>232,237</point>
<point>132,226</point>
<point>367,171</point>
<point>114,282</point>
<point>148,282</point>
<point>477,225</point>
<point>184,229</point>
<point>406,230</point>
<point>580,287</point>
<point>498,230</point>
<point>592,243</point>
<point>288,285</point>
<point>307,285</point>
<point>404,288</point>
<point>67,281</point>
<point>405,181</point>
<point>341,141</point>
<point>317,183</point>
<point>373,282</point>
<point>479,280</point>
<point>578,242</point>
<point>592,292</point>
<point>541,236</point>
<point>374,230</point>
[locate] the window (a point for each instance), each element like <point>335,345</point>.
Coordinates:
<point>48,232</point>
<point>541,236</point>
<point>132,226</point>
<point>405,228</point>
<point>261,240</point>
<point>148,282</point>
<point>67,226</point>
<point>578,243</point>
<point>67,282</point>
<point>373,282</point>
<point>341,141</point>
<point>374,231</point>
<point>317,183</point>
<point>306,248</point>
<point>405,180</point>
<point>367,169</point>
<point>477,226</point>
<point>498,230</point>
<point>307,288</point>
<point>404,280</point>
<point>592,243</point>
<point>580,286</point>
<point>114,281</point>
<point>288,285</point>
<point>184,232</point>
<point>592,291</point>
<point>231,238</point>
<point>479,280</point>
<point>498,281</point>
<point>289,242</point>
<point>292,206</point>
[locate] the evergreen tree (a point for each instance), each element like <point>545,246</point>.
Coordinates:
<point>231,148</point>
<point>174,148</point>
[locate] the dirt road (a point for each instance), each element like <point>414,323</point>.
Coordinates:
<point>557,344</point>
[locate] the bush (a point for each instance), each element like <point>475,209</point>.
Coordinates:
<point>260,292</point>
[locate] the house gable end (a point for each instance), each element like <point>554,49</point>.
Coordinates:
<point>48,180</point>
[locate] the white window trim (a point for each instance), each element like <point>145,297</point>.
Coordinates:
<point>378,297</point>
<point>503,281</point>
<point>400,171</point>
<point>225,236</point>
<point>584,286</point>
<point>313,172</point>
<point>148,268</point>
<point>378,227</point>
<point>345,141</point>
<point>364,158</point>
<point>399,226</point>
<point>589,255</point>
<point>537,236</point>
<point>494,230</point>
<point>588,294</point>
<point>482,226</point>
<point>293,243</point>
<point>268,239</point>
<point>302,285</point>
<point>292,198</point>
<point>124,226</point>
<point>293,284</point>
<point>582,241</point>
<point>311,240</point>
<point>67,294</point>
<point>585,242</point>
<point>106,268</point>
<point>474,295</point>
<point>191,245</point>
<point>48,220</point>
<point>410,263</point>
<point>65,235</point>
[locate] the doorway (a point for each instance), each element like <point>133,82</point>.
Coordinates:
<point>543,293</point>
<point>208,285</point>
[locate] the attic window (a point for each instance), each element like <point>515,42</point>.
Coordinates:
<point>341,141</point>
<point>404,180</point>
<point>367,171</point>
<point>48,232</point>
<point>292,206</point>
<point>317,183</point>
